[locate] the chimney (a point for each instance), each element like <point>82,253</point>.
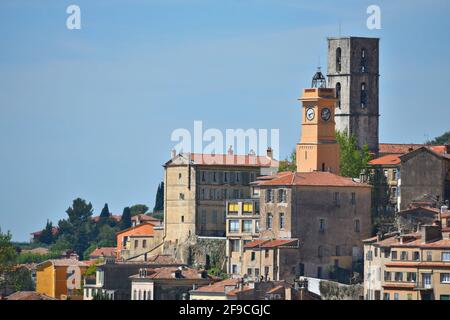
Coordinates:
<point>447,148</point>
<point>379,236</point>
<point>73,256</point>
<point>173,153</point>
<point>430,233</point>
<point>269,153</point>
<point>230,150</point>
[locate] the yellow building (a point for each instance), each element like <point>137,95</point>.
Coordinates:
<point>318,149</point>
<point>60,278</point>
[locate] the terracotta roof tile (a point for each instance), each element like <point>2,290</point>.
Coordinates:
<point>104,251</point>
<point>167,273</point>
<point>232,160</point>
<point>397,148</point>
<point>316,178</point>
<point>389,159</point>
<point>218,287</point>
<point>271,243</point>
<point>28,295</point>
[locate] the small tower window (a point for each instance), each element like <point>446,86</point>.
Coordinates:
<point>363,95</point>
<point>363,65</point>
<point>338,94</point>
<point>338,59</point>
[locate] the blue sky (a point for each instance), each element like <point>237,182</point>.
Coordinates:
<point>89,113</point>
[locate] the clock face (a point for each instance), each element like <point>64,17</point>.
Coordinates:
<point>325,114</point>
<point>310,114</point>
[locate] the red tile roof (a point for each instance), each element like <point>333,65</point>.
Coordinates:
<point>389,159</point>
<point>317,178</point>
<point>397,148</point>
<point>28,295</point>
<point>231,160</point>
<point>168,273</point>
<point>255,243</point>
<point>36,234</point>
<point>104,251</point>
<point>116,217</point>
<point>234,292</point>
<point>218,287</point>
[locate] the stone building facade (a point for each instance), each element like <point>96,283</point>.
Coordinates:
<point>197,187</point>
<point>353,71</point>
<point>425,171</point>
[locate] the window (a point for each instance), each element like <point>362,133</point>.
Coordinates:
<point>235,245</point>
<point>411,276</point>
<point>144,243</point>
<point>181,196</point>
<point>234,269</point>
<point>387,276</point>
<point>282,221</point>
<point>257,226</point>
<point>182,219</point>
<point>269,195</point>
<point>357,226</point>
<point>409,296</point>
<point>445,277</point>
<point>134,295</point>
<point>233,226</point>
<point>238,176</point>
<point>396,296</point>
<point>445,256</point>
<point>363,64</point>
<point>266,253</point>
<point>337,199</point>
<point>256,272</point>
<point>281,195</point>
<point>136,243</point>
<point>394,255</point>
<point>338,251</point>
<point>253,256</point>
<point>214,176</point>
<point>429,256</point>
<point>353,199</point>
<point>338,94</point>
<point>203,176</point>
<point>319,272</point>
<point>404,255</point>
<point>321,225</point>
<point>249,271</point>
<point>248,207</point>
<point>338,60</point>
<point>398,276</point>
<point>387,296</point>
<point>203,217</point>
<point>369,255</point>
<point>247,226</point>
<point>320,251</point>
<point>363,95</point>
<point>225,176</point>
<point>233,208</point>
<point>416,256</point>
<point>145,295</point>
<point>269,221</point>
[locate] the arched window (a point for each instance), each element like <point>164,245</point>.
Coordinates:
<point>134,295</point>
<point>363,95</point>
<point>149,295</point>
<point>140,295</point>
<point>363,65</point>
<point>323,166</point>
<point>145,295</point>
<point>338,59</point>
<point>338,94</point>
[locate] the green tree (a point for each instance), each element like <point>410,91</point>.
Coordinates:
<point>441,140</point>
<point>47,234</point>
<point>353,161</point>
<point>105,212</point>
<point>78,229</point>
<point>289,163</point>
<point>138,209</point>
<point>125,222</point>
<point>159,200</point>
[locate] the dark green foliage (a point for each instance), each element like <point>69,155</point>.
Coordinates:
<point>47,234</point>
<point>289,164</point>
<point>125,222</point>
<point>105,212</point>
<point>138,209</point>
<point>353,161</point>
<point>441,140</point>
<point>29,257</point>
<point>159,201</point>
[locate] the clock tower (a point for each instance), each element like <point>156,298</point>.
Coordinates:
<point>318,149</point>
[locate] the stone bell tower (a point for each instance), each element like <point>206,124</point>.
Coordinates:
<point>318,149</point>
<point>353,71</point>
